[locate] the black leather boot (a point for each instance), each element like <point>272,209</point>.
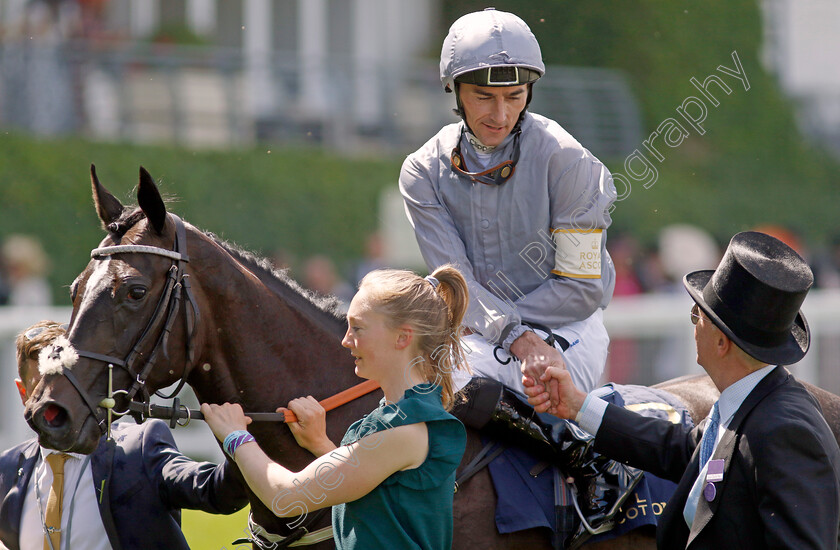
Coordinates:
<point>602,484</point>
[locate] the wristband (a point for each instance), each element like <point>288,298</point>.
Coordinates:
<point>234,440</point>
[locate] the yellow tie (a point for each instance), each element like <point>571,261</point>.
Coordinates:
<point>53,517</point>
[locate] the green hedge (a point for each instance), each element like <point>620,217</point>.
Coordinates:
<point>301,201</point>
<point>750,167</point>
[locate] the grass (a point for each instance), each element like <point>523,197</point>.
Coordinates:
<point>298,201</point>
<point>214,532</point>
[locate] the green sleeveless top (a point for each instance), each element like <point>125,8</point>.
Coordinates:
<point>411,509</point>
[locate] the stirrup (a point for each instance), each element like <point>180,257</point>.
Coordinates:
<point>586,530</point>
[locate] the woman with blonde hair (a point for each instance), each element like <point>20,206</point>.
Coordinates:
<point>391,481</point>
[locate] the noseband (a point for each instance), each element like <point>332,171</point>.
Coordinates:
<point>163,318</point>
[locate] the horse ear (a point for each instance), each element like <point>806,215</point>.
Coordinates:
<point>150,201</point>
<point>107,205</point>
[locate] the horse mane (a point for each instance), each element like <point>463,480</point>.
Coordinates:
<point>280,282</point>
<point>324,308</point>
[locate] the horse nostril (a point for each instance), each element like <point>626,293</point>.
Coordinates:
<point>55,416</point>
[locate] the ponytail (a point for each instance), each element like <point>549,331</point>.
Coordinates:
<point>434,306</point>
<point>453,290</point>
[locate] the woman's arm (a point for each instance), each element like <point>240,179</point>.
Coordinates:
<point>345,474</point>
<point>310,430</point>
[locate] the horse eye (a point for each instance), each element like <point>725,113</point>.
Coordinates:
<point>137,293</point>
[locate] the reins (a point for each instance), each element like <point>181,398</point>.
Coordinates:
<point>180,412</point>
<point>161,323</point>
<point>166,310</point>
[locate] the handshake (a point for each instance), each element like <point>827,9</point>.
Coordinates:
<point>553,391</point>
<point>547,382</point>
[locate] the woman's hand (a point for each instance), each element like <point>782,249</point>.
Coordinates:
<point>224,419</point>
<point>310,430</point>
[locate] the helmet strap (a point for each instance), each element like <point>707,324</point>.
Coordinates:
<point>497,175</point>
<point>459,107</point>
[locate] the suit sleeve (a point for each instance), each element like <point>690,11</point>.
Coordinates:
<point>581,196</point>
<point>652,444</point>
<point>186,483</point>
<point>441,243</point>
<point>20,458</point>
<point>796,487</point>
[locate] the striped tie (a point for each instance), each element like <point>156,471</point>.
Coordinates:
<point>52,520</point>
<point>707,444</point>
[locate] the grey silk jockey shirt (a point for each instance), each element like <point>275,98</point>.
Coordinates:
<point>530,249</point>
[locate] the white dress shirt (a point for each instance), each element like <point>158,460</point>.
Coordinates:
<point>729,402</point>
<point>591,414</point>
<point>80,509</point>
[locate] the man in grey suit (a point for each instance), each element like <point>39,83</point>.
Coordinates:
<point>763,471</point>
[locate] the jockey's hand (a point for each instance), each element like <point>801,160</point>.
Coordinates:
<point>536,356</point>
<point>310,430</point>
<point>224,419</point>
<point>570,398</point>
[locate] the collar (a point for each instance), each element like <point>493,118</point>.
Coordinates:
<point>421,389</point>
<point>46,452</point>
<point>477,145</point>
<point>502,159</point>
<point>733,397</point>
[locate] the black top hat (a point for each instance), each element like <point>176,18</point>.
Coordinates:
<point>754,297</point>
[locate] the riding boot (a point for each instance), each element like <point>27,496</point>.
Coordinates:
<point>502,413</point>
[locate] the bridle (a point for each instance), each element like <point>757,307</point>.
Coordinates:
<point>159,327</point>
<point>166,310</point>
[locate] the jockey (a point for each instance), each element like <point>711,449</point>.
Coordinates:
<point>522,209</point>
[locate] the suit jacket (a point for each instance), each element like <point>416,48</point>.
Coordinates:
<point>142,482</point>
<point>781,483</point>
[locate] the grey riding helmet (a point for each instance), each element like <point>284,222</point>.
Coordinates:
<point>490,48</point>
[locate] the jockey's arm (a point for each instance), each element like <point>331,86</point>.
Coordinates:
<point>582,276</point>
<point>580,194</point>
<point>537,356</point>
<point>440,243</point>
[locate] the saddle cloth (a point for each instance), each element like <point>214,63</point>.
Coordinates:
<point>525,501</point>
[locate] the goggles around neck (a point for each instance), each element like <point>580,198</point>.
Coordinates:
<point>497,175</point>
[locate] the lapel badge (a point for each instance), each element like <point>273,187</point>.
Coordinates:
<point>714,474</point>
<point>709,492</point>
<point>714,471</point>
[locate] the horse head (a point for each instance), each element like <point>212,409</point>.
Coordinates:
<point>260,339</point>
<point>126,304</point>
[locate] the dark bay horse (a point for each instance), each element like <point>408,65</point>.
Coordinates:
<point>218,318</point>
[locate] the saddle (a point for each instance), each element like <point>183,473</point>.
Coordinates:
<point>532,492</point>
